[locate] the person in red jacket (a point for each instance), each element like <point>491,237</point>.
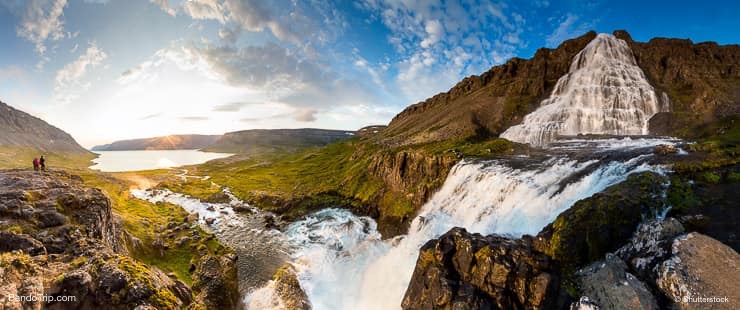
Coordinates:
<point>35,164</point>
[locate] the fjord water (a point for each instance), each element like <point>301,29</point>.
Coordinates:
<point>604,92</point>
<point>118,161</point>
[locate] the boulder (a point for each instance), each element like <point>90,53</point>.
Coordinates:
<point>610,286</point>
<point>665,149</point>
<point>10,241</point>
<point>460,270</point>
<point>702,273</point>
<point>289,289</point>
<point>650,245</point>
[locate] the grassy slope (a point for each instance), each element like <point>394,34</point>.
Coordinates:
<point>22,157</point>
<point>337,174</point>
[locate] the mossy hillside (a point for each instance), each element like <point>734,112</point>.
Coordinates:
<point>12,157</point>
<point>148,223</point>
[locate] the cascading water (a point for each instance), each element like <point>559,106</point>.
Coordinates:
<point>605,92</point>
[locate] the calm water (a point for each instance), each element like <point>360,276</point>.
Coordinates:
<point>117,161</point>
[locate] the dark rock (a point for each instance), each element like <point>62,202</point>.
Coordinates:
<point>665,149</point>
<point>50,218</point>
<point>210,221</point>
<point>468,271</point>
<point>584,303</point>
<point>10,241</point>
<point>610,286</point>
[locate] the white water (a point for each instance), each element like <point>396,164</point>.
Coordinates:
<point>604,92</point>
<point>343,264</point>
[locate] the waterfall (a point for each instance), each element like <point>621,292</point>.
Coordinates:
<point>604,92</point>
<point>343,263</point>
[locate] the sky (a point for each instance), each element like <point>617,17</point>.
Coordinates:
<point>106,70</point>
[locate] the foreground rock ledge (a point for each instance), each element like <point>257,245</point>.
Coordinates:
<point>461,270</point>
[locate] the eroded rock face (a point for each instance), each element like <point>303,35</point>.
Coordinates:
<point>460,270</point>
<point>60,238</point>
<point>701,267</point>
<point>610,286</point>
<point>217,288</point>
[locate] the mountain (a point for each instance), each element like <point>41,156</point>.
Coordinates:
<point>20,129</point>
<point>262,140</point>
<point>174,142</point>
<point>701,81</point>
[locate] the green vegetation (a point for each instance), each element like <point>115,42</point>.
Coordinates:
<point>353,173</point>
<point>147,223</point>
<point>21,157</point>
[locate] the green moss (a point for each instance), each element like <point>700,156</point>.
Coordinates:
<point>711,177</point>
<point>733,177</point>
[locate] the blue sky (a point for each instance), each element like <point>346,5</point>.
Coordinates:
<point>107,70</point>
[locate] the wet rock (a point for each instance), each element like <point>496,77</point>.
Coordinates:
<point>650,245</point>
<point>289,289</point>
<point>216,282</point>
<point>210,221</point>
<point>610,286</point>
<point>584,303</point>
<point>10,241</point>
<point>460,270</point>
<point>665,149</point>
<point>701,267</point>
<point>603,222</point>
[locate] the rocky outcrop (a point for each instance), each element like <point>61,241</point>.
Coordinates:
<point>60,238</point>
<point>18,128</point>
<point>702,273</point>
<point>603,222</point>
<point>609,285</point>
<point>649,246</point>
<point>289,289</point>
<point>173,142</point>
<point>460,270</point>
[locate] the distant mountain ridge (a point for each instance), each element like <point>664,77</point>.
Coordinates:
<point>245,141</point>
<point>266,140</point>
<point>20,129</point>
<point>173,142</point>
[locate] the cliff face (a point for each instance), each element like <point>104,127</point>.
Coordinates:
<point>174,142</point>
<point>60,238</point>
<point>18,128</point>
<point>702,81</point>
<point>487,104</point>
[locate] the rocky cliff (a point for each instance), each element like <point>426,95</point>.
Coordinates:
<point>18,128</point>
<point>701,80</point>
<point>61,238</point>
<point>174,142</point>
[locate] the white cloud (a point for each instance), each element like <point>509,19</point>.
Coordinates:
<point>205,9</point>
<point>569,27</point>
<point>41,21</point>
<point>440,42</point>
<point>165,6</point>
<point>68,82</point>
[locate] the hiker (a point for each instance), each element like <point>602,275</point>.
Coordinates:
<point>35,164</point>
<point>42,162</point>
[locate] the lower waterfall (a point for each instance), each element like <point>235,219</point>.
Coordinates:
<point>342,262</point>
